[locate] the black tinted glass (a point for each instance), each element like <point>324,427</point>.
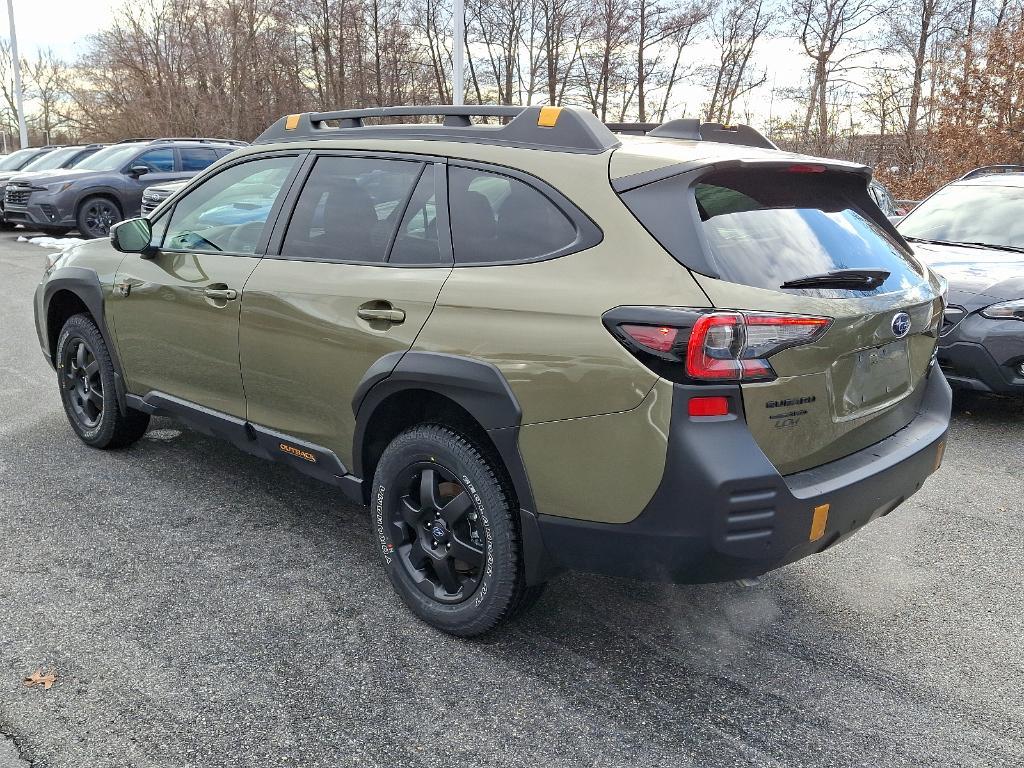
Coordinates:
<point>496,218</point>
<point>349,209</point>
<point>156,160</point>
<point>195,159</point>
<point>767,228</point>
<point>416,242</point>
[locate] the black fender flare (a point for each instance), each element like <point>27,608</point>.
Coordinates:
<point>85,284</point>
<point>481,390</point>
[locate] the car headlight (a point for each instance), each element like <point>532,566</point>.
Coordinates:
<point>1008,310</point>
<point>943,290</point>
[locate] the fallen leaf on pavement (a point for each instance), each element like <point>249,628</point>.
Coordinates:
<point>38,678</point>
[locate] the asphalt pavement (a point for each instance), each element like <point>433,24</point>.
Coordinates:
<point>200,607</point>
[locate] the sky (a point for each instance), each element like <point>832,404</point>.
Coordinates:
<point>59,24</point>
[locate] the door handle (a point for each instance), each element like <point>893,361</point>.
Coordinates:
<point>387,315</point>
<point>221,294</point>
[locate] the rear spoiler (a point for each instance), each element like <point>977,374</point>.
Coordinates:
<point>626,183</point>
<point>691,129</point>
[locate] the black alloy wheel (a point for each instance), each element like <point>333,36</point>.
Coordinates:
<point>83,387</point>
<point>88,388</point>
<point>437,534</point>
<point>445,522</point>
<point>97,216</point>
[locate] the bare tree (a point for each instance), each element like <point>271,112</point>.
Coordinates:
<point>822,26</point>
<point>737,26</point>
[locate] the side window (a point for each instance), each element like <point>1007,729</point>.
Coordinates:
<point>416,242</point>
<point>157,160</point>
<point>349,209</point>
<point>228,211</point>
<point>196,158</point>
<point>496,218</point>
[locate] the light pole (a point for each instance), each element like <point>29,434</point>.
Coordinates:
<point>17,76</point>
<point>458,44</point>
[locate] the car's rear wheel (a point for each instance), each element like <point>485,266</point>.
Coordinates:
<point>445,524</point>
<point>85,375</point>
<point>96,215</point>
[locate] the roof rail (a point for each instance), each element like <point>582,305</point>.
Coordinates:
<point>565,129</point>
<point>694,130</point>
<point>991,170</point>
<point>201,140</point>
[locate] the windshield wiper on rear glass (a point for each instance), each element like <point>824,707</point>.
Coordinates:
<point>851,279</point>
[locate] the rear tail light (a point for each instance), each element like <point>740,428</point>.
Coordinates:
<point>721,346</point>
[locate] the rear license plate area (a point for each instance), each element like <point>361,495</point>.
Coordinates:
<point>869,379</point>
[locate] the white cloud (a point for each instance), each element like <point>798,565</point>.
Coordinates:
<point>62,25</point>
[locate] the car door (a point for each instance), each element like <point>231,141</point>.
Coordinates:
<point>161,165</point>
<point>175,314</point>
<point>357,272</point>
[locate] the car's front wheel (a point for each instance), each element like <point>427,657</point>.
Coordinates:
<point>96,215</point>
<point>445,526</point>
<point>85,375</point>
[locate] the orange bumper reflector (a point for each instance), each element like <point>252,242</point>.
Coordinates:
<point>939,454</point>
<point>548,116</point>
<point>291,122</point>
<point>818,522</point>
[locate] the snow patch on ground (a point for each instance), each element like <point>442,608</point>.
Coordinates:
<point>61,243</point>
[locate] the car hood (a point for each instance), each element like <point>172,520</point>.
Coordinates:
<point>977,276</point>
<point>57,175</point>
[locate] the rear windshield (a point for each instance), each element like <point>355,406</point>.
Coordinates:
<point>765,227</point>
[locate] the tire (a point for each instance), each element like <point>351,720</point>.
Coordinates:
<point>85,376</point>
<point>96,215</point>
<point>422,473</point>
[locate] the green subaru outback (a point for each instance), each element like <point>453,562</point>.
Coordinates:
<point>528,345</point>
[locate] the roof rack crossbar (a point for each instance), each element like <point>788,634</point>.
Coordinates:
<point>462,113</point>
<point>565,129</point>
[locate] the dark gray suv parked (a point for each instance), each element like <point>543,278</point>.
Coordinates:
<point>107,187</point>
<point>47,160</point>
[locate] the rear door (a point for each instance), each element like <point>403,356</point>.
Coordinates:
<point>760,228</point>
<point>354,273</point>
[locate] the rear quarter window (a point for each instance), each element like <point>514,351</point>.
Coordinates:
<point>762,228</point>
<point>498,219</point>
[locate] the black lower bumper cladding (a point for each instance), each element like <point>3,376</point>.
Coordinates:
<point>723,512</point>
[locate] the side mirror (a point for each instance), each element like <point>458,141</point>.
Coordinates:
<point>133,236</point>
<point>138,170</point>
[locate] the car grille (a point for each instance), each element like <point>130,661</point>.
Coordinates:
<point>151,199</point>
<point>951,319</point>
<point>17,195</point>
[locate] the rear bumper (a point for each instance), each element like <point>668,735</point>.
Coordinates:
<point>984,355</point>
<point>723,512</point>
